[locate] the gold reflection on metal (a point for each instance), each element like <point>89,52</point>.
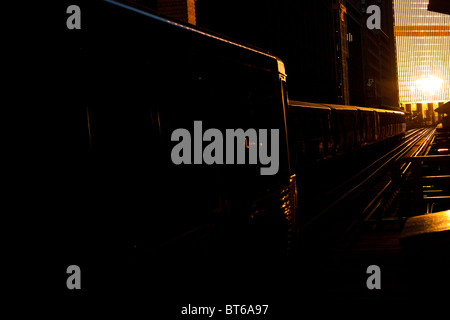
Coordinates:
<point>428,223</point>
<point>282,202</point>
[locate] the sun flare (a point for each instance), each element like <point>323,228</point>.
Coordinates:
<point>429,85</point>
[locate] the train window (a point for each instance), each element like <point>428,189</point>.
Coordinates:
<point>349,127</point>
<point>341,126</point>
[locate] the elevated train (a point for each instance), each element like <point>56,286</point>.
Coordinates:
<point>324,131</point>
<point>140,77</point>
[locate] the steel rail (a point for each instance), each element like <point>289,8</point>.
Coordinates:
<point>376,167</point>
<point>410,138</point>
<point>380,197</point>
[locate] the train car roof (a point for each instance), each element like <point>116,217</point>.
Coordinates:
<point>308,105</point>
<point>392,111</point>
<point>385,110</point>
<point>366,109</point>
<point>344,107</point>
<point>326,106</point>
<point>341,107</point>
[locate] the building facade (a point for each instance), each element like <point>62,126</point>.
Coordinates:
<point>372,56</point>
<point>301,33</point>
<point>330,54</point>
<point>423,54</point>
<point>183,10</point>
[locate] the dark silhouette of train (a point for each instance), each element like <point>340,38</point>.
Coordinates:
<point>324,131</point>
<point>139,77</point>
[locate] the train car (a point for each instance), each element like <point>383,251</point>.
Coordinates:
<point>392,123</point>
<point>310,132</point>
<point>320,131</point>
<point>346,128</point>
<point>141,78</point>
<point>369,125</point>
<point>399,123</point>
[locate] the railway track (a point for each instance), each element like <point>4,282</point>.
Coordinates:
<point>368,194</point>
<point>362,224</point>
<point>381,207</point>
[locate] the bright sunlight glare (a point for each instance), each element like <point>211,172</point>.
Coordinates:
<point>429,85</point>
